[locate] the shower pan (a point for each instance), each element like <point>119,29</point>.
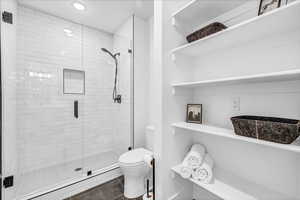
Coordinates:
<point>52,139</point>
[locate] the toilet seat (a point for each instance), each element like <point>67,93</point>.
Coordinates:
<point>134,157</point>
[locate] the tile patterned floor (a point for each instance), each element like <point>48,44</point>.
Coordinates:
<point>112,190</point>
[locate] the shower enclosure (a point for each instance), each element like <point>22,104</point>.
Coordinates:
<point>59,122</point>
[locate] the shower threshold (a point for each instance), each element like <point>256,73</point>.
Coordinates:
<point>41,182</point>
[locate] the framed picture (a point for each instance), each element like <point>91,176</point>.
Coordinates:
<point>268,5</point>
<point>194,113</point>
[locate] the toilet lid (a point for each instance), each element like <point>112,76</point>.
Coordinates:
<point>134,156</point>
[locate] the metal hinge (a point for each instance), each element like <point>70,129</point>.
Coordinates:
<point>8,181</point>
<point>7,17</point>
<point>89,173</point>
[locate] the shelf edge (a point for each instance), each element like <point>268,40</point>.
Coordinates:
<point>284,75</point>
<point>228,133</point>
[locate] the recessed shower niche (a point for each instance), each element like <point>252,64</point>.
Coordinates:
<point>73,81</point>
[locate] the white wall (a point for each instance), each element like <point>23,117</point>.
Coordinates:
<point>141,60</point>
<point>156,103</point>
<point>126,29</point>
<point>173,147</point>
<point>123,117</point>
<point>249,161</point>
<point>167,151</point>
<point>123,40</point>
<point>141,65</point>
<point>151,74</point>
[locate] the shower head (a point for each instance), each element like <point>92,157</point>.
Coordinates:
<point>112,55</point>
<point>106,51</point>
<point>116,96</point>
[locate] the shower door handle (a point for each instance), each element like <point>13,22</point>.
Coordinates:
<point>76,109</point>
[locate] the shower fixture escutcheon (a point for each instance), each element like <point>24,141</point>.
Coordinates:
<point>118,99</point>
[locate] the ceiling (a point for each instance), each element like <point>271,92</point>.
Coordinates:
<point>106,15</point>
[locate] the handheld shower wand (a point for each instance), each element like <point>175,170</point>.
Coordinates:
<point>117,98</point>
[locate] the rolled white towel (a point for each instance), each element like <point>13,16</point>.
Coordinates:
<point>195,156</point>
<point>185,171</point>
<point>204,173</point>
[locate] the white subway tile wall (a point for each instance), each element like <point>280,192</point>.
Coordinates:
<point>51,142</point>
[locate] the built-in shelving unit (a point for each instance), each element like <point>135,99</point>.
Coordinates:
<point>275,22</point>
<point>228,133</point>
<point>256,78</point>
<point>271,34</point>
<point>230,187</point>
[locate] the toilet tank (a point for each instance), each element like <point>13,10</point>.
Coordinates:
<point>149,137</point>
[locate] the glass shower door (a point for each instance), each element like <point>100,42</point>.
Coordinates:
<point>107,125</point>
<point>47,137</point>
<point>51,68</point>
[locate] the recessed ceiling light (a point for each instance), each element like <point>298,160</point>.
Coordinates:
<point>78,5</point>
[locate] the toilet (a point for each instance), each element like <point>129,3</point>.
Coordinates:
<point>135,169</point>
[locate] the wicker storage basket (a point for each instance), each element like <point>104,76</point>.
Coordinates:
<point>271,129</point>
<point>207,30</point>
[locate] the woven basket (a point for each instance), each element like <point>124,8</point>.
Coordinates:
<point>278,130</point>
<point>207,30</point>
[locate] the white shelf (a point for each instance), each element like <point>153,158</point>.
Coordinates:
<point>197,9</point>
<point>230,187</point>
<point>228,133</point>
<point>266,77</point>
<point>279,21</point>
<point>197,12</point>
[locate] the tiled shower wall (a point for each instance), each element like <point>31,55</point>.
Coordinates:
<point>48,133</point>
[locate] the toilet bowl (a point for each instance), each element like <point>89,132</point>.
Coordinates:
<point>134,169</point>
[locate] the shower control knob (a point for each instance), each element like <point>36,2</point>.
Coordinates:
<point>118,99</point>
